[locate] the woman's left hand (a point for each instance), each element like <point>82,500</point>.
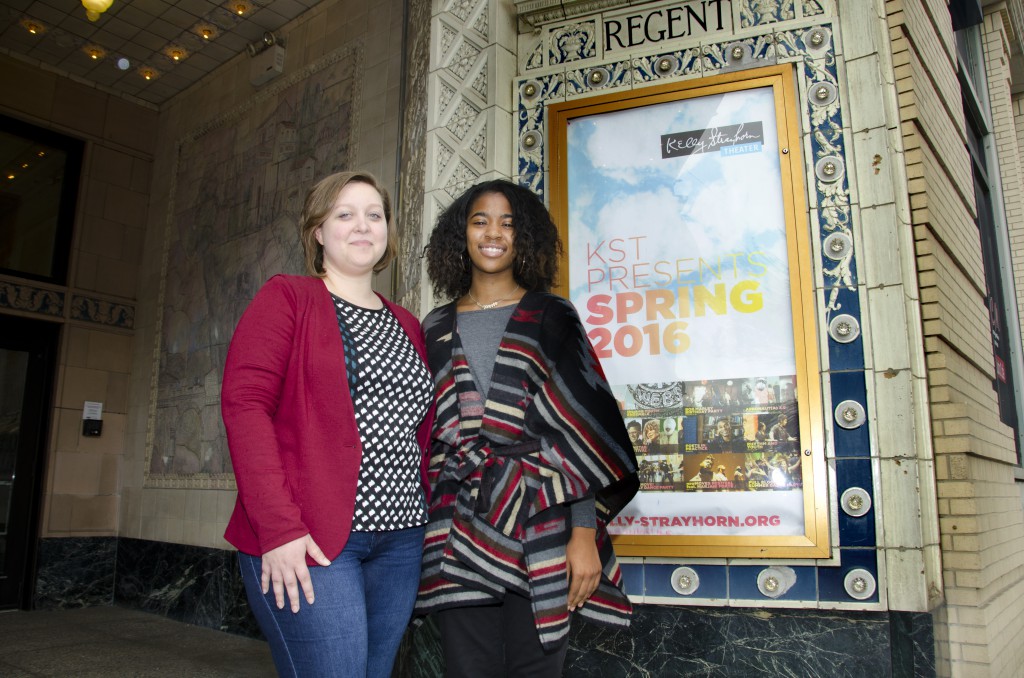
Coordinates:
<point>583,565</point>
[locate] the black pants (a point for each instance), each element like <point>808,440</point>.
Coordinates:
<point>496,640</point>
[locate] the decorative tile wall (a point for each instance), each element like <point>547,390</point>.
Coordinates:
<point>562,58</point>
<point>24,297</point>
<point>555,68</point>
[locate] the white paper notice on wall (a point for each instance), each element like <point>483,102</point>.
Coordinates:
<point>92,419</point>
<point>92,410</point>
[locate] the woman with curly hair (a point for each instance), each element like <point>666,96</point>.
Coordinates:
<point>529,455</point>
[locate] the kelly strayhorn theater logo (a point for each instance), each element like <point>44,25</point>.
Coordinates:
<point>745,137</point>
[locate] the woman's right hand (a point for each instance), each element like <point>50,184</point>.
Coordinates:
<point>285,569</point>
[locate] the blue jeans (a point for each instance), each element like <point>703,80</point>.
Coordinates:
<point>364,601</point>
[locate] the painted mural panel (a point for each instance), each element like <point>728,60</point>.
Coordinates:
<point>238,191</point>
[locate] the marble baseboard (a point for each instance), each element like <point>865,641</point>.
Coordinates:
<point>197,585</point>
<point>202,586</point>
<point>75,572</point>
<point>666,642</point>
<point>913,644</point>
<point>193,584</point>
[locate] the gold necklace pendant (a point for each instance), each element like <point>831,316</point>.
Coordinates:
<point>487,307</point>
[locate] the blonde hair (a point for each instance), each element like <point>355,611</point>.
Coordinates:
<point>319,202</point>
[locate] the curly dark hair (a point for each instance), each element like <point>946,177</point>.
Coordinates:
<point>536,241</point>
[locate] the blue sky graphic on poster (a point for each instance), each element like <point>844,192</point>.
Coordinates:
<point>678,265</point>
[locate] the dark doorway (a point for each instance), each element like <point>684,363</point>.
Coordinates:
<point>28,351</point>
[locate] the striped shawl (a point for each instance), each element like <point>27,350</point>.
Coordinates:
<point>503,469</point>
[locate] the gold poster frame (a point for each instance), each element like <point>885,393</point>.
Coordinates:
<point>814,542</point>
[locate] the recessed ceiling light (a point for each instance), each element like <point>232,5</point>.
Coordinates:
<point>124,64</point>
<point>33,27</point>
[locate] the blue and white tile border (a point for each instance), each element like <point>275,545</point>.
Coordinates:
<point>51,303</point>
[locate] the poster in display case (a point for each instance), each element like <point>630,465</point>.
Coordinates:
<point>685,226</point>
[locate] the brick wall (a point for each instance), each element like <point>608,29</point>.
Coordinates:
<point>979,504</point>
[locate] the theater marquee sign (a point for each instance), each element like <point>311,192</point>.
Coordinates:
<point>688,259</point>
<point>632,28</point>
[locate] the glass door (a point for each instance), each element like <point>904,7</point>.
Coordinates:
<point>27,358</point>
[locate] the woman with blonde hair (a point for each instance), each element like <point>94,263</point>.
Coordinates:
<point>327,404</point>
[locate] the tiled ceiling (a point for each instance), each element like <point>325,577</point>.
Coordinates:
<point>142,37</point>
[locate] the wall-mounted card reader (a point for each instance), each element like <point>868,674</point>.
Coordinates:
<point>92,419</point>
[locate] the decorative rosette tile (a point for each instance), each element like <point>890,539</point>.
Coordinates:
<point>667,65</point>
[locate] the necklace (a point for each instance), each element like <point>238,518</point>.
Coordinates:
<point>487,307</point>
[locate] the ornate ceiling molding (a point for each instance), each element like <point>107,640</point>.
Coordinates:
<point>536,13</point>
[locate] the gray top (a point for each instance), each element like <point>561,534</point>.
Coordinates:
<point>481,333</point>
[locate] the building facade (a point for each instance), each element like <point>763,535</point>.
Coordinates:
<point>907,124</point>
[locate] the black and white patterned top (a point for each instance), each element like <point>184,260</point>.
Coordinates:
<point>391,390</point>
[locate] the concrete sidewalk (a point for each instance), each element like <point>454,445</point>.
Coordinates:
<point>113,641</point>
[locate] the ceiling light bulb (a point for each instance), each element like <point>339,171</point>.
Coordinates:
<point>32,28</point>
<point>176,55</point>
<point>24,165</point>
<point>93,8</point>
<point>94,54</point>
<point>240,9</point>
<point>207,33</point>
<point>41,153</point>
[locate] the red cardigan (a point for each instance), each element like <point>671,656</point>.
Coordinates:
<point>290,422</point>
